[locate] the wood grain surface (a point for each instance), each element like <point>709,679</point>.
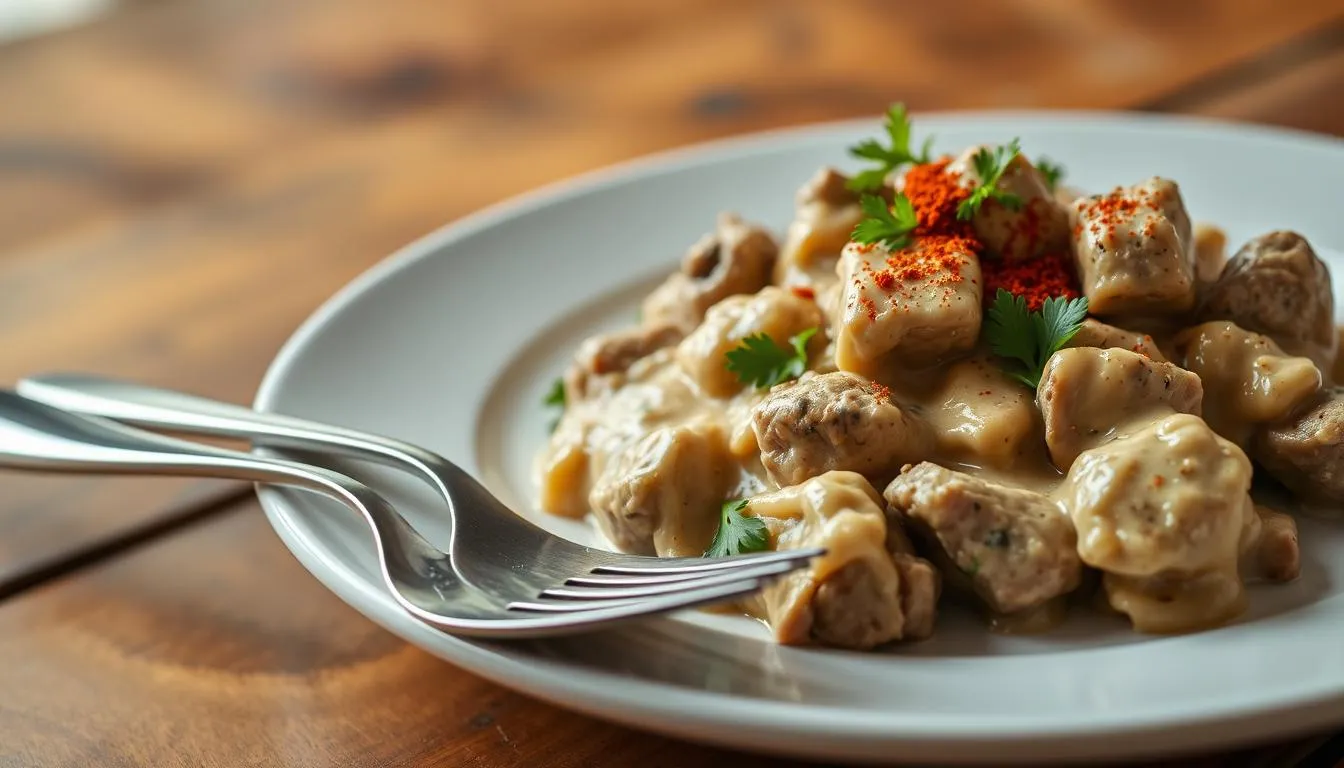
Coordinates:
<point>182,181</point>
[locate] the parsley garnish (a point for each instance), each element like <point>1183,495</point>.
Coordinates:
<point>759,361</point>
<point>990,167</point>
<point>890,226</point>
<point>738,534</point>
<point>1030,338</point>
<point>1052,171</point>
<point>889,158</point>
<point>555,398</point>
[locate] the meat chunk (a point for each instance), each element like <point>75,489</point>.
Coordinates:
<point>979,417</point>
<point>1162,511</point>
<point>1306,452</point>
<point>835,421</point>
<point>1278,286</point>
<point>736,258</point>
<point>601,361</point>
<point>661,495</point>
<point>1094,333</point>
<point>1134,250</point>
<point>1017,547</point>
<point>776,312</point>
<point>1087,396</point>
<point>914,315</point>
<point>1273,554</point>
<point>1038,225</point>
<point>857,595</point>
<point>826,213</point>
<point>1248,380</point>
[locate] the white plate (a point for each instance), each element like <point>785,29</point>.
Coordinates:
<point>452,342</point>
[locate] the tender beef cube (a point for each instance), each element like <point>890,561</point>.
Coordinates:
<point>1039,225</point>
<point>826,213</point>
<point>737,258</point>
<point>662,494</point>
<point>1095,333</point>
<point>980,417</point>
<point>601,361</point>
<point>1273,553</point>
<point>914,316</point>
<point>1163,512</point>
<point>1017,547</point>
<point>1278,286</point>
<point>1134,250</point>
<point>835,421</point>
<point>1306,452</point>
<point>857,595</point>
<point>1248,380</point>
<point>776,312</point>
<point>1087,395</point>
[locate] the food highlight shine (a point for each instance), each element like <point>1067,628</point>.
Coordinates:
<point>966,381</point>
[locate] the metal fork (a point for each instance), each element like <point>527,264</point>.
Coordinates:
<point>491,547</point>
<point>37,436</point>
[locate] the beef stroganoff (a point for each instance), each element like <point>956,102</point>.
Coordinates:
<point>965,380</point>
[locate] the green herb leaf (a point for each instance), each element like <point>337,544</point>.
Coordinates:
<point>1028,339</point>
<point>890,226</point>
<point>990,166</point>
<point>759,361</point>
<point>555,398</point>
<point>887,157</point>
<point>738,534</point>
<point>1052,171</point>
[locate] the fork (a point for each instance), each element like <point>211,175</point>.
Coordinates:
<point>491,547</point>
<point>36,436</point>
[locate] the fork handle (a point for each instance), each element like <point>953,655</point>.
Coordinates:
<point>165,409</point>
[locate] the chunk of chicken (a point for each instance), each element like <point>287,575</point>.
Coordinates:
<point>776,312</point>
<point>835,421</point>
<point>661,495</point>
<point>601,361</point>
<point>1163,512</point>
<point>857,595</point>
<point>913,315</point>
<point>1306,452</point>
<point>1038,225</point>
<point>826,213</point>
<point>737,258</point>
<point>1088,396</point>
<point>1273,554</point>
<point>1017,547</point>
<point>1134,250</point>
<point>1094,333</point>
<point>980,417</point>
<point>1248,380</point>
<point>1278,286</point>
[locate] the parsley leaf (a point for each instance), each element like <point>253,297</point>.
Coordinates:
<point>1052,171</point>
<point>759,361</point>
<point>990,167</point>
<point>1030,338</point>
<point>890,226</point>
<point>738,534</point>
<point>887,158</point>
<point>555,398</point>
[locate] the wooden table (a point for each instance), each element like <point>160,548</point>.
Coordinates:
<point>183,181</point>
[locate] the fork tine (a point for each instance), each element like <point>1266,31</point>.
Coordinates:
<point>688,596</point>
<point>650,566</point>
<point>616,592</point>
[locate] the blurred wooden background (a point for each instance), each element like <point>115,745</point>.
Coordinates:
<point>183,181</point>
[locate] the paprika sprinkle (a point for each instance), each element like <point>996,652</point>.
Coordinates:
<point>1033,279</point>
<point>935,195</point>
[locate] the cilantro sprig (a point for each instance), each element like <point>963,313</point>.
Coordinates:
<point>1052,171</point>
<point>555,398</point>
<point>889,157</point>
<point>738,534</point>
<point>890,225</point>
<point>990,166</point>
<point>1028,339</point>
<point>759,361</point>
